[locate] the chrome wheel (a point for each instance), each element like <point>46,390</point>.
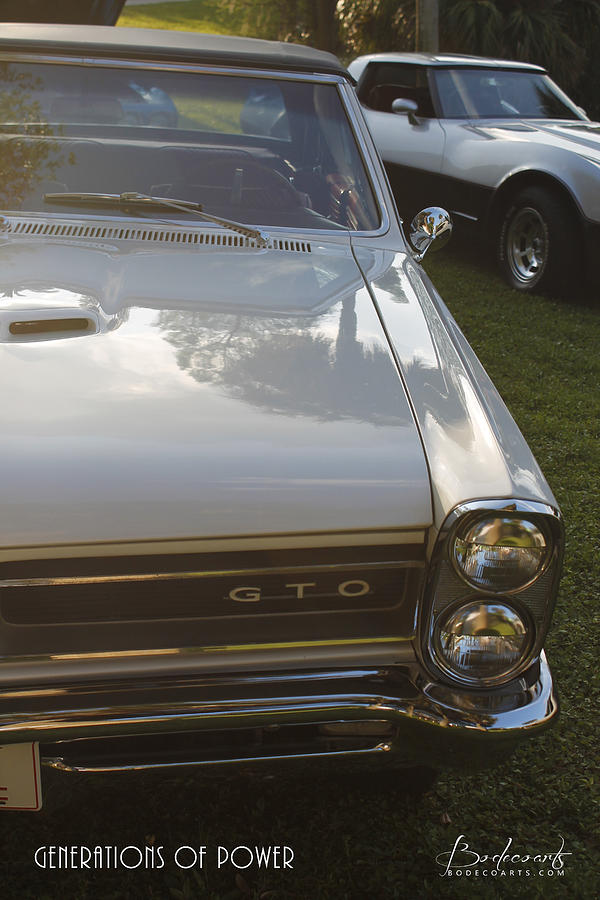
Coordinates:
<point>527,245</point>
<point>537,241</point>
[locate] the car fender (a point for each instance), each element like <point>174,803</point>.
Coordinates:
<point>501,160</point>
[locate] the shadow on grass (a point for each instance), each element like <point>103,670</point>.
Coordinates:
<point>468,252</point>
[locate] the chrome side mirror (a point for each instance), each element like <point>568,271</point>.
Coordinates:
<point>429,225</point>
<point>403,106</point>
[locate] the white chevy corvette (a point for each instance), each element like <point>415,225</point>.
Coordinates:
<point>499,145</point>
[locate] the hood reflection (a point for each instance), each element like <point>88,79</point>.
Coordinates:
<point>275,329</point>
<point>289,366</point>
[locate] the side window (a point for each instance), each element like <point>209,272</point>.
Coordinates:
<point>385,82</point>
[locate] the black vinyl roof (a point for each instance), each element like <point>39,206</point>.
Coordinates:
<point>178,46</point>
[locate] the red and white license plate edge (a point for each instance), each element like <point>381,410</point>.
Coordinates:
<point>20,779</point>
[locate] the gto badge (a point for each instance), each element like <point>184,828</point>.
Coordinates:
<point>353,588</point>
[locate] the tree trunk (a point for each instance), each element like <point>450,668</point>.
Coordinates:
<point>325,24</point>
<point>427,33</point>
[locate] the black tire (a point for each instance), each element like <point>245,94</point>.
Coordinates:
<point>536,247</point>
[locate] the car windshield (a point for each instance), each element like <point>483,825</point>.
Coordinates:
<point>262,151</point>
<point>505,94</point>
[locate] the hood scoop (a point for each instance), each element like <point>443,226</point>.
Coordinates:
<point>25,326</point>
<point>178,236</point>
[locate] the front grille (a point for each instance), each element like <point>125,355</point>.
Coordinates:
<point>181,600</point>
<point>197,595</point>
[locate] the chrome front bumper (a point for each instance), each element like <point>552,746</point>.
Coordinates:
<point>106,726</point>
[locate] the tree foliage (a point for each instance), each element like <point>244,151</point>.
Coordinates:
<point>553,33</point>
<point>374,25</point>
<point>558,34</point>
<point>302,21</point>
<point>24,163</point>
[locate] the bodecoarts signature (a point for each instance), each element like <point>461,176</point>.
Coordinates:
<point>462,857</point>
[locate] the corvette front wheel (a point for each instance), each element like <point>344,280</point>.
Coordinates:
<point>536,245</point>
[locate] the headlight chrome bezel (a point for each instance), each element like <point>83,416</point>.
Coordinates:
<point>533,600</point>
<point>481,680</point>
<point>469,522</point>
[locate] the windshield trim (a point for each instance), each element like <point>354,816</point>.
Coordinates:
<point>145,64</point>
<point>371,162</point>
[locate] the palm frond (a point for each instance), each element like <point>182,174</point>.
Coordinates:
<point>472,26</point>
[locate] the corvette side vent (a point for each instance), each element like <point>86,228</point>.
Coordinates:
<point>225,239</point>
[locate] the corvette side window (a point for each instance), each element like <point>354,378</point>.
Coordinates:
<point>385,82</point>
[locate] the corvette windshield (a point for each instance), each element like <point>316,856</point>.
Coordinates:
<point>271,152</point>
<point>503,94</point>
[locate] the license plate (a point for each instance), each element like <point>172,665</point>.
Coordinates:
<point>20,782</point>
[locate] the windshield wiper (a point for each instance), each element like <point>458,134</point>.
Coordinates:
<point>132,198</point>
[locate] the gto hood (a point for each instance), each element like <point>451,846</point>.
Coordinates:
<point>201,392</point>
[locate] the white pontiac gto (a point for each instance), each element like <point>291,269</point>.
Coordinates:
<point>260,502</point>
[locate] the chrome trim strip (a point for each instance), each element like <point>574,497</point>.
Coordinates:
<point>140,62</point>
<point>235,542</point>
<point>370,159</point>
<point>236,648</point>
<point>509,504</point>
<point>62,766</point>
<point>29,671</point>
<point>209,573</point>
<point>462,215</point>
<point>199,651</point>
<point>241,679</point>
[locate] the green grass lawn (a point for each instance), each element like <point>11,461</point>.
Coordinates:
<point>194,15</point>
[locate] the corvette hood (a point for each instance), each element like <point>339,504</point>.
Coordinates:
<point>155,393</point>
<point>583,137</point>
<point>578,136</point>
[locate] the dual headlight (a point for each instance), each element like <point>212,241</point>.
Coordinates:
<point>499,554</point>
<point>481,640</point>
<point>487,633</point>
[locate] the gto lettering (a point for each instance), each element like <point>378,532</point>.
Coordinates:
<point>346,591</point>
<point>300,587</point>
<point>249,594</point>
<point>245,594</point>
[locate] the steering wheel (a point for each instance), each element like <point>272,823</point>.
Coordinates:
<point>266,187</point>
